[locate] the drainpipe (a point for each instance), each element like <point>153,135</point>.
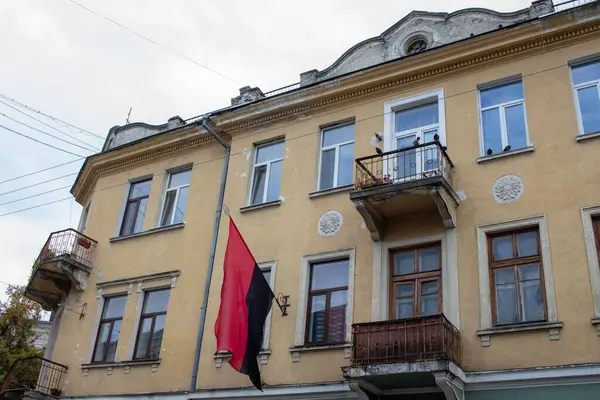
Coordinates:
<point>211,257</point>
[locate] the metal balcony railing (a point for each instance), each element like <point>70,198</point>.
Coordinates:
<point>71,244</point>
<point>404,165</point>
<point>35,373</point>
<point>404,341</point>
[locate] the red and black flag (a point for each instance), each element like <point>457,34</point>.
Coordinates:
<point>246,299</point>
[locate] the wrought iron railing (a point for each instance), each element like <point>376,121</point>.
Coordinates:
<point>35,373</point>
<point>407,164</point>
<point>565,5</point>
<point>407,340</point>
<point>68,243</point>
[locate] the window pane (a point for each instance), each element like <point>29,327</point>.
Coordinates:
<point>527,244</point>
<point>586,72</point>
<point>589,107</point>
<point>504,275</point>
<point>337,317</point>
<point>168,207</point>
<point>515,126</point>
<point>346,164</point>
<point>157,335</point>
<point>406,162</point>
<point>429,259</point>
<point>506,304</point>
<point>330,274</point>
<point>127,227</point>
<point>528,272</point>
<point>404,307</point>
<point>492,137</point>
<point>416,117</point>
<point>114,307</point>
<point>501,94</point>
<point>429,304</point>
<point>267,274</point>
<point>532,301</point>
<point>503,247</point>
<point>141,212</point>
<point>144,335</point>
<point>101,341</point>
<point>327,168</point>
<point>316,332</point>
<point>181,202</point>
<point>269,152</point>
<point>258,188</point>
<point>180,178</point>
<point>429,287</point>
<point>338,134</point>
<point>156,301</point>
<point>430,153</point>
<point>405,290</point>
<point>114,339</point>
<point>274,181</point>
<point>140,189</point>
<point>404,262</point>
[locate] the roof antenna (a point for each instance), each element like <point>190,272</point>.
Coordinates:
<point>128,114</point>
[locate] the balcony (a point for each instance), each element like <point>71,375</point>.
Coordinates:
<point>33,377</point>
<point>65,262</point>
<point>402,355</point>
<point>404,181</point>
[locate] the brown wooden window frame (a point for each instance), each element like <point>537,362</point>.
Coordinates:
<point>515,262</point>
<point>416,279</point>
<point>596,228</point>
<point>144,316</point>
<point>132,202</point>
<point>320,292</point>
<point>112,324</point>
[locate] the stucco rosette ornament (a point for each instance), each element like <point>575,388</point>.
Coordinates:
<point>330,223</point>
<point>508,188</point>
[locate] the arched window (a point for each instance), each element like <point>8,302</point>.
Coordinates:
<point>416,46</point>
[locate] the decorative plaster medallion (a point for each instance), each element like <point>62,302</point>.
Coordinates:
<point>330,223</point>
<point>508,188</point>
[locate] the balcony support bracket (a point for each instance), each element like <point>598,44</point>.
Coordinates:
<point>360,392</point>
<point>372,219</point>
<point>76,275</point>
<point>446,205</point>
<point>452,386</point>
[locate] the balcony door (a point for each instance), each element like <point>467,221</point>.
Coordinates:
<point>416,122</point>
<point>416,281</point>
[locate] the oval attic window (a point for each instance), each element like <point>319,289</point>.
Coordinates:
<point>416,47</point>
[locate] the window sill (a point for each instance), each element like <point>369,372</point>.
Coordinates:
<point>268,204</point>
<point>148,232</point>
<point>587,136</point>
<point>553,329</point>
<point>326,192</point>
<point>296,350</point>
<point>221,356</point>
<point>596,322</point>
<point>483,159</point>
<point>126,365</point>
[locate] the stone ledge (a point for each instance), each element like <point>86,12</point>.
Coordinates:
<point>483,159</point>
<point>126,365</point>
<point>268,204</point>
<point>326,192</point>
<point>596,322</point>
<point>553,329</point>
<point>296,350</point>
<point>221,356</point>
<point>148,232</point>
<point>587,136</point>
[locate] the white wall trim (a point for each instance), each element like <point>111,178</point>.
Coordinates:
<point>485,314</point>
<point>305,263</point>
<point>587,213</point>
<point>381,274</point>
<point>390,107</point>
<point>140,293</point>
<point>97,318</point>
<point>271,265</point>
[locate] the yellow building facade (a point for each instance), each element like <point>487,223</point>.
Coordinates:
<point>429,204</point>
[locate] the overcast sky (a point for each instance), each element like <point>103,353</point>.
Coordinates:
<point>67,62</point>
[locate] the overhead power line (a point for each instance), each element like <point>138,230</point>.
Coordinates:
<point>41,170</point>
<point>49,116</point>
<point>39,205</point>
<point>37,184</point>
<point>43,123</point>
<point>40,142</point>
<point>154,42</point>
<point>35,195</point>
<point>49,134</point>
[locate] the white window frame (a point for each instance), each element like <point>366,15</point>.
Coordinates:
<point>587,214</point>
<point>83,218</point>
<point>337,153</point>
<point>502,107</point>
<point>267,175</point>
<point>270,266</point>
<point>582,86</point>
<point>305,265</point>
<point>483,263</point>
<point>175,188</point>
